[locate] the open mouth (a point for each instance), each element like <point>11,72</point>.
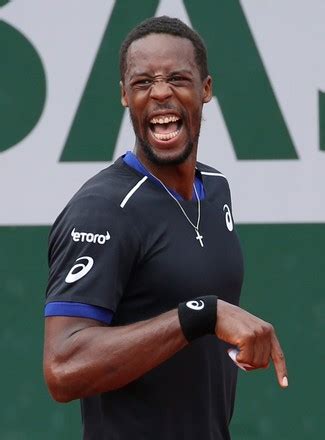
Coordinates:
<point>165,127</point>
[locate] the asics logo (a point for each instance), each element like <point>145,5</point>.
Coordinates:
<point>89,237</point>
<point>228,218</point>
<point>79,270</point>
<point>195,305</point>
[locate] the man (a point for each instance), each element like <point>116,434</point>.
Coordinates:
<point>138,257</point>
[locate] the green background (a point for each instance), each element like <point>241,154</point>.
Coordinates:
<point>284,284</point>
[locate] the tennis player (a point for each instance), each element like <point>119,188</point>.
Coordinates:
<point>146,267</point>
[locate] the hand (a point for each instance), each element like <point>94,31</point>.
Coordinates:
<point>255,339</point>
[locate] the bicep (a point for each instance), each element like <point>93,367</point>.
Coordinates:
<point>59,331</point>
<point>61,348</point>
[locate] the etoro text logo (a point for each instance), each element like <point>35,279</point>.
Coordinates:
<point>89,237</point>
<point>79,270</point>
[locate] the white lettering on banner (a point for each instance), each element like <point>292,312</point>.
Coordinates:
<point>263,191</point>
<point>89,237</point>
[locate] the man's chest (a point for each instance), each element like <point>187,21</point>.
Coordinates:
<point>180,262</point>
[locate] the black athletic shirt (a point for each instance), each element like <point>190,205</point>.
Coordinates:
<point>123,246</point>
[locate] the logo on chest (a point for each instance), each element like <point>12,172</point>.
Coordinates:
<point>89,237</point>
<point>228,218</point>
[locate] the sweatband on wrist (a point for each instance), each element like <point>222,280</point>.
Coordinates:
<point>198,317</point>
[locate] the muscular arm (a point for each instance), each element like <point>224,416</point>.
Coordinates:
<point>82,357</point>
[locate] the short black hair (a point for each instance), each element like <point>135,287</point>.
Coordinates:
<point>171,26</point>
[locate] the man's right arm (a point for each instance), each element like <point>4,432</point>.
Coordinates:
<point>82,357</point>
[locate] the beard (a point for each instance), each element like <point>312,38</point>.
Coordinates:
<point>155,158</point>
<point>171,160</point>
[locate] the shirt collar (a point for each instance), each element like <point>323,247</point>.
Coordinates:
<point>132,161</point>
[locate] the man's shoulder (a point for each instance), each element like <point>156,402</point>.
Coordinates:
<point>215,182</point>
<point>102,194</point>
<point>207,170</point>
<point>109,185</point>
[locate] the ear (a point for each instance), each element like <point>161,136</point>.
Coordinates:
<point>207,89</point>
<point>124,99</point>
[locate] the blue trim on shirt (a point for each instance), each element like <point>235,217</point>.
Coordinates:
<point>80,310</point>
<point>133,162</point>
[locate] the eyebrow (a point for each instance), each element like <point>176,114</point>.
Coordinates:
<point>174,72</point>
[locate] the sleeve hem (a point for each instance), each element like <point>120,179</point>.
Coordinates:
<point>80,310</point>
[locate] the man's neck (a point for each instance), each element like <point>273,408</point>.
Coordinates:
<point>179,178</point>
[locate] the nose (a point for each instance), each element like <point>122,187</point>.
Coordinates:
<point>160,90</point>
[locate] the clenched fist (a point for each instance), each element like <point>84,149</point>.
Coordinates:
<point>255,339</point>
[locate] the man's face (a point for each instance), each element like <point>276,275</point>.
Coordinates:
<point>164,91</point>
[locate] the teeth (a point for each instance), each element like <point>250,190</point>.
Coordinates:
<point>166,137</point>
<point>164,119</point>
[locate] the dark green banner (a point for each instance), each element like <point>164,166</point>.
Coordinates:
<point>284,284</point>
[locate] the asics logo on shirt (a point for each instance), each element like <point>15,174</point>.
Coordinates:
<point>195,305</point>
<point>79,270</point>
<point>228,218</point>
<point>89,237</point>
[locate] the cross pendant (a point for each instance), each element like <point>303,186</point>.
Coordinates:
<point>199,237</point>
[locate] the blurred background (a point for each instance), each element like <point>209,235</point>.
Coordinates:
<point>61,121</point>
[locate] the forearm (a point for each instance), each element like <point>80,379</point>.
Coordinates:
<point>83,358</point>
<point>96,359</point>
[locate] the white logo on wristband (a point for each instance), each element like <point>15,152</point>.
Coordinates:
<point>195,305</point>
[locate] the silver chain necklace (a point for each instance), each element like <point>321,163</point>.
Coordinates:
<point>199,237</point>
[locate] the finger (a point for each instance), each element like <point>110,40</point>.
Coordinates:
<point>246,352</point>
<point>252,350</point>
<point>260,347</point>
<point>279,362</point>
<point>265,351</point>
<point>233,353</point>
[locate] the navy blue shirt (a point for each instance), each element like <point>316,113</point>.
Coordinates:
<point>81,310</point>
<point>123,246</point>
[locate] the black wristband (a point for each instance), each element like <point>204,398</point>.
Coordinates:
<point>198,317</point>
